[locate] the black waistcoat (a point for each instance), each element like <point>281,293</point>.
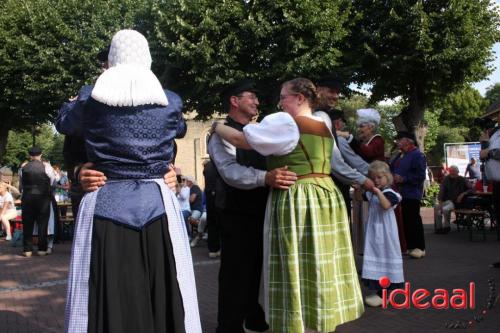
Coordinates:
<point>34,179</point>
<point>247,201</point>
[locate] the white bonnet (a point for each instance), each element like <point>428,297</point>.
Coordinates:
<point>129,47</point>
<point>129,80</point>
<point>368,116</point>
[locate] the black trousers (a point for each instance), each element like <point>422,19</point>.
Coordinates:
<point>240,273</point>
<point>213,224</point>
<point>36,209</point>
<point>412,221</point>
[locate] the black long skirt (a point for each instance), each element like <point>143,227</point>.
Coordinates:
<point>133,285</point>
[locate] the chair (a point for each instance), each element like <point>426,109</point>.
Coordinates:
<point>471,219</point>
<point>66,222</point>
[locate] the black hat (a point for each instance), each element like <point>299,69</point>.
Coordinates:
<point>34,151</point>
<point>332,82</point>
<point>405,134</point>
<point>336,114</point>
<point>102,56</point>
<point>238,87</point>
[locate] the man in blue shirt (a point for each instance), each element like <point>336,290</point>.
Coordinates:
<point>473,169</point>
<point>409,169</point>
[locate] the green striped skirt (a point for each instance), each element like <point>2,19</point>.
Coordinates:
<point>310,278</point>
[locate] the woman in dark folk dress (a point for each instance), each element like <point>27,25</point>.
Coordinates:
<point>131,267</point>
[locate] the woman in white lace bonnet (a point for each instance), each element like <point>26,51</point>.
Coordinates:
<point>368,144</point>
<point>131,268</point>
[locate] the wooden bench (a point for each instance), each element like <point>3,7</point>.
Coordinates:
<point>472,219</point>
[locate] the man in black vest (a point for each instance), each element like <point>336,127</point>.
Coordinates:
<point>36,180</point>
<point>241,196</point>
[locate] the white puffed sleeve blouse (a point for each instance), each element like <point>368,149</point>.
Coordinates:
<point>277,134</point>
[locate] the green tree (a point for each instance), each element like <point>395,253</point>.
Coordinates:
<point>444,135</point>
<point>492,93</point>
<point>431,119</point>
<point>20,141</point>
<point>460,109</point>
<point>206,44</point>
<point>55,152</point>
<point>421,50</point>
<point>47,52</point>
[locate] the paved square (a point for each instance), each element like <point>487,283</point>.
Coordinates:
<point>32,290</point>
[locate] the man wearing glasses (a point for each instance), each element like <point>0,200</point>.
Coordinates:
<point>241,196</point>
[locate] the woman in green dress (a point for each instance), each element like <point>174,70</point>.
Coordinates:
<point>309,274</point>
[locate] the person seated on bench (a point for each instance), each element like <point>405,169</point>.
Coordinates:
<point>7,208</point>
<point>452,193</point>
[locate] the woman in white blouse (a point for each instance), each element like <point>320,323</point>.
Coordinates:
<point>7,209</point>
<point>310,279</point>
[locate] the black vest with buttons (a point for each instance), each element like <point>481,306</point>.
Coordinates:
<point>248,201</point>
<point>34,179</point>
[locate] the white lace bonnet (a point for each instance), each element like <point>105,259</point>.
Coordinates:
<point>129,80</point>
<point>368,116</point>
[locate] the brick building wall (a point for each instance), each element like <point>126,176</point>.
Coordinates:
<point>192,149</point>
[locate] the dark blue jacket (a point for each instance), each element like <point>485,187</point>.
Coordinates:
<point>129,145</point>
<point>411,166</point>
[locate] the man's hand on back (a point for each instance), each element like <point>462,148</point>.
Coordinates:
<point>281,178</point>
<point>90,179</point>
<point>170,178</point>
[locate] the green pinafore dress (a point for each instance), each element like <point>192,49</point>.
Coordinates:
<point>310,278</point>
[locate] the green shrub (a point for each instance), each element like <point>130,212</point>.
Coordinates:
<point>430,195</point>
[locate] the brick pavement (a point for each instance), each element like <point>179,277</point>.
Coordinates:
<point>32,290</point>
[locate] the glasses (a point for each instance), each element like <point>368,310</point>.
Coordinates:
<point>249,96</point>
<point>282,97</point>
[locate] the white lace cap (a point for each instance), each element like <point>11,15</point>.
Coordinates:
<point>129,81</point>
<point>368,116</point>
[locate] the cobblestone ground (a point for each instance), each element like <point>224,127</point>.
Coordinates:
<point>32,290</point>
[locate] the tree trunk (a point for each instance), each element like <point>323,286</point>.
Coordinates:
<point>411,118</point>
<point>4,134</point>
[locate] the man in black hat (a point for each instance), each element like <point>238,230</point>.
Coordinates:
<point>36,179</point>
<point>241,196</point>
<point>409,169</point>
<point>328,89</point>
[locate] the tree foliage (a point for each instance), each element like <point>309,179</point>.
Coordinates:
<point>210,43</point>
<point>20,141</point>
<point>417,49</point>
<point>421,50</point>
<point>445,134</point>
<point>492,93</point>
<point>47,51</point>
<point>460,110</point>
